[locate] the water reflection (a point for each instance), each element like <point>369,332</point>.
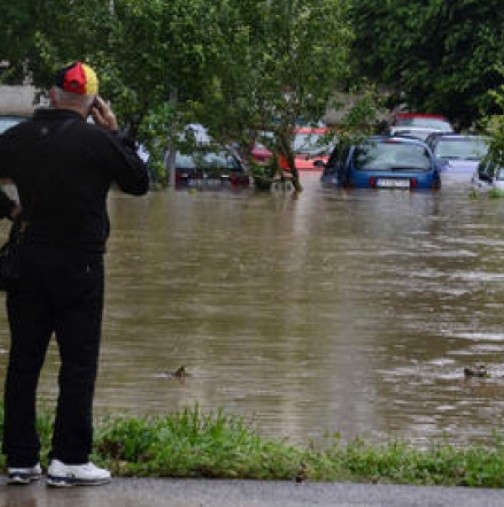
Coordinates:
<point>125,494</point>
<point>348,312</point>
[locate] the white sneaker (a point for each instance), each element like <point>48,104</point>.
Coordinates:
<point>23,475</point>
<point>87,474</point>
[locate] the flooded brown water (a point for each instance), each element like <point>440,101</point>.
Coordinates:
<point>336,312</point>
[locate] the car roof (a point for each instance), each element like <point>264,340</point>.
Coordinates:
<point>456,136</point>
<point>420,115</point>
<point>399,139</point>
<point>311,130</point>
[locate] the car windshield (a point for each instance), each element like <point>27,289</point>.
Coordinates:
<point>499,174</point>
<point>463,148</point>
<point>390,156</point>
<point>309,142</point>
<point>214,161</point>
<point>424,122</point>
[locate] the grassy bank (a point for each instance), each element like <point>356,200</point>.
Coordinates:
<point>193,444</point>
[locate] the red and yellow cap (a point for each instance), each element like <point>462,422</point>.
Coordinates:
<point>77,78</point>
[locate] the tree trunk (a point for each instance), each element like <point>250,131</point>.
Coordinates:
<point>170,161</point>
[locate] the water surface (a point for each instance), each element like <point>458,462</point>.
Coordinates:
<point>337,312</point>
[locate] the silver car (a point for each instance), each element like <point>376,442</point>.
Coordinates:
<point>8,121</point>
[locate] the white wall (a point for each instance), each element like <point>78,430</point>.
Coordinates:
<point>17,99</point>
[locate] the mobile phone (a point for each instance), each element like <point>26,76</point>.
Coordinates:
<point>95,104</point>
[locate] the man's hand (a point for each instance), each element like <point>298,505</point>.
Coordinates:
<point>103,115</point>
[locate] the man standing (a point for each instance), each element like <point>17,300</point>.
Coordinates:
<point>63,168</point>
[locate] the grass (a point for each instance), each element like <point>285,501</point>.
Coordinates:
<point>496,193</point>
<point>493,193</point>
<point>192,444</point>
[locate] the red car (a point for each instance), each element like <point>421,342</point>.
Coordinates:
<point>260,153</point>
<point>308,145</point>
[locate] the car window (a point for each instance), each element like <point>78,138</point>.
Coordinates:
<point>387,156</point>
<point>305,142</point>
<point>214,161</point>
<point>463,148</point>
<point>499,174</point>
<point>434,123</point>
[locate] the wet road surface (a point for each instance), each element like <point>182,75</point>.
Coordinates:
<point>215,493</point>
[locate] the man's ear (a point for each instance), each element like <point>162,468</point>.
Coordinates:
<point>53,96</point>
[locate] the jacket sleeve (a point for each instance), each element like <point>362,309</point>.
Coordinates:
<point>129,171</point>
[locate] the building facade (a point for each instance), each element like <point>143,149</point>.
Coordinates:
<point>17,100</point>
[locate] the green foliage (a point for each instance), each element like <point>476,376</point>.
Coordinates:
<point>154,130</point>
<point>430,55</point>
<point>244,65</point>
<point>277,62</point>
<point>191,443</point>
<point>236,66</point>
<point>264,175</point>
<point>494,125</point>
<point>496,193</point>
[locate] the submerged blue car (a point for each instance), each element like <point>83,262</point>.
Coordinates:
<point>383,162</point>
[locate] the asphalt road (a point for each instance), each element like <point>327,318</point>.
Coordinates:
<point>220,493</point>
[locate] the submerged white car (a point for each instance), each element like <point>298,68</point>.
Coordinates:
<point>488,176</point>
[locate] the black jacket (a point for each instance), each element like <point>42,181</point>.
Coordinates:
<point>63,168</point>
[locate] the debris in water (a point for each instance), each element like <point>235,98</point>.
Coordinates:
<point>478,371</point>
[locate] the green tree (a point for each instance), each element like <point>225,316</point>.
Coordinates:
<point>276,62</point>
<point>238,66</point>
<point>145,51</point>
<point>435,55</point>
<point>495,126</point>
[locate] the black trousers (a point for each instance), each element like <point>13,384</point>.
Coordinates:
<point>60,293</point>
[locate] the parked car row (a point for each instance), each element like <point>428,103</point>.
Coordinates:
<point>409,163</point>
<point>213,166</point>
<point>419,152</point>
<point>383,161</point>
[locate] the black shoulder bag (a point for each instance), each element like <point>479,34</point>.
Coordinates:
<point>9,256</point>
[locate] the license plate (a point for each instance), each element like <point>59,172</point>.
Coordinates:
<point>392,183</point>
<point>205,182</point>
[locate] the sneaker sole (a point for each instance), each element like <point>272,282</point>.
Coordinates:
<point>69,482</point>
<point>22,479</point>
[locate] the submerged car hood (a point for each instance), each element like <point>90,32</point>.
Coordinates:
<point>459,166</point>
